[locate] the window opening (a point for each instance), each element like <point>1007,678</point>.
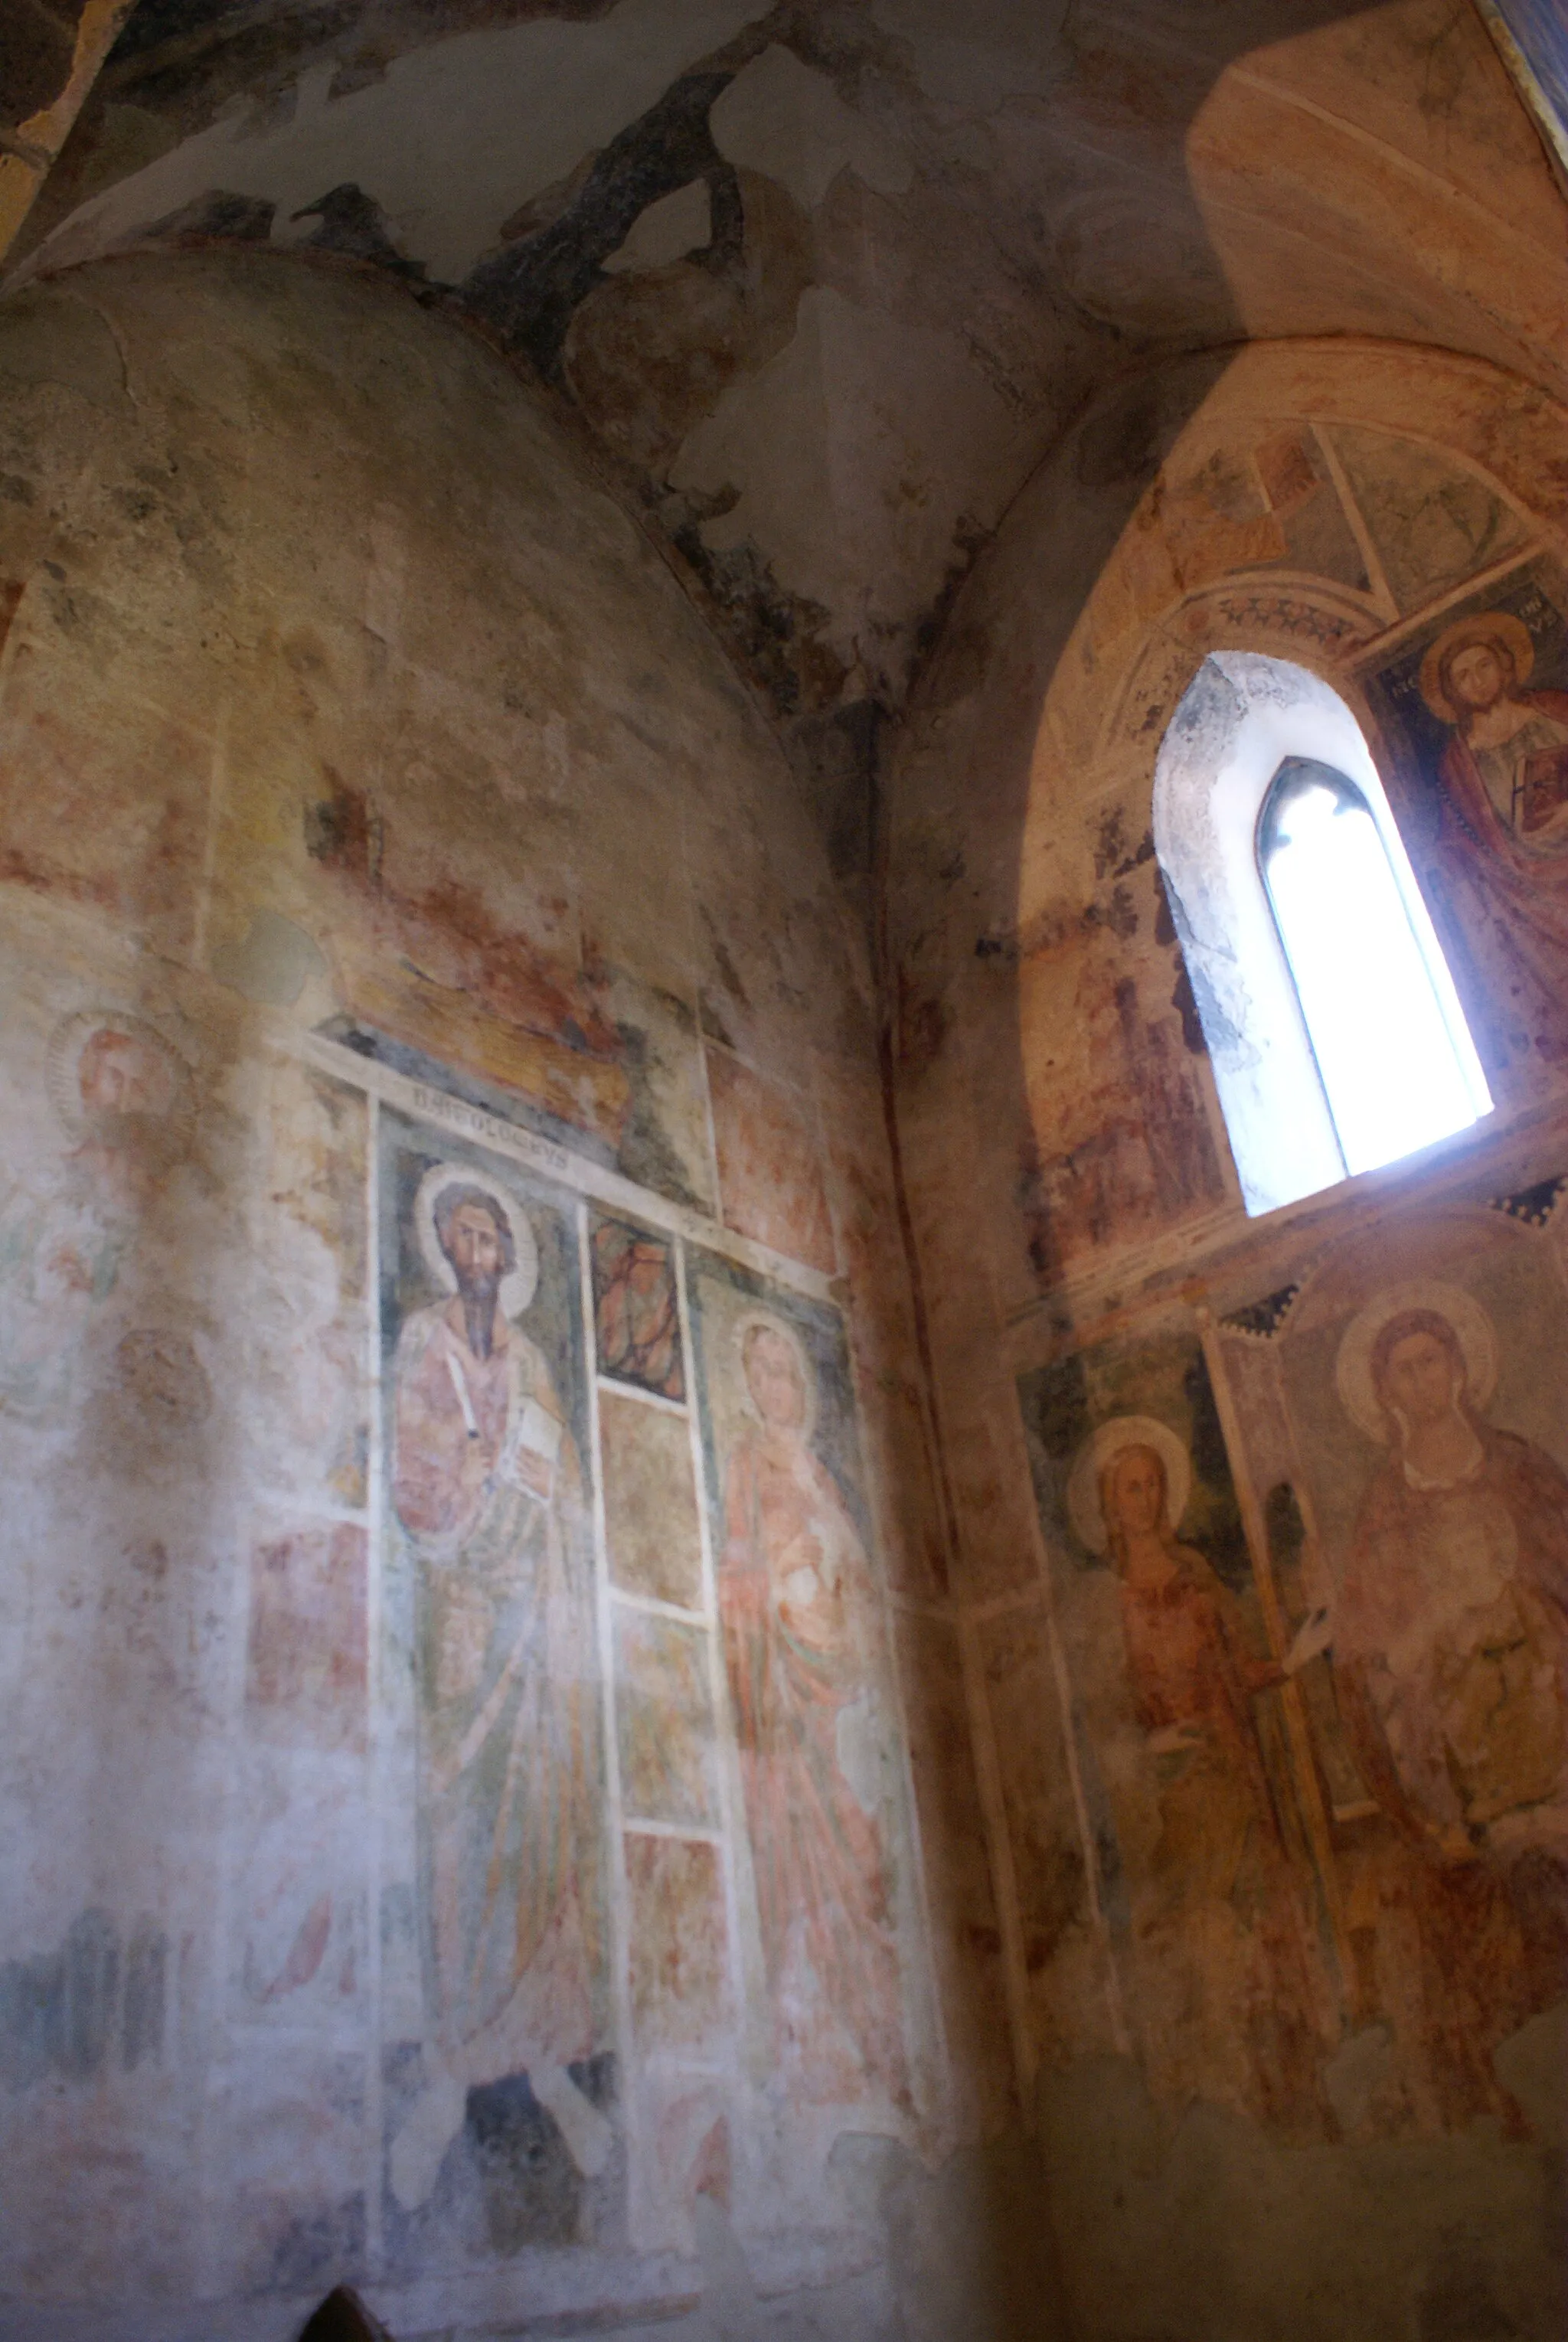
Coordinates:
<point>1396,1063</point>
<point>1335,1036</point>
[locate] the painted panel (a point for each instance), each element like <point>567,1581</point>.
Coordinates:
<point>1425,1376</point>
<point>637,1309</point>
<point>809,1698</point>
<point>680,1958</point>
<point>665,1719</point>
<point>491,1608</point>
<point>650,1502</point>
<point>770,1166</point>
<point>1194,1810</point>
<point>1474,708</point>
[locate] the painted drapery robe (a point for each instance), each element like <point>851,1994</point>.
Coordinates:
<point>798,1609</point>
<point>488,1488</point>
<point>1221,1926</point>
<point>1451,1643</point>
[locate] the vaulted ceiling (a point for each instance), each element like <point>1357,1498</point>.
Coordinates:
<point>819,283</point>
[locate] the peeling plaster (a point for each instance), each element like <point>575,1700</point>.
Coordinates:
<point>946,445</point>
<point>452,140</point>
<point>669,229</point>
<point>780,117</point>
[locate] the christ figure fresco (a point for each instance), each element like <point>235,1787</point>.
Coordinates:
<point>1503,836</point>
<point>798,1608</point>
<point>489,1489</point>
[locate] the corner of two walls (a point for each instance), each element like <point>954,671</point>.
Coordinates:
<point>486,1753</point>
<point>1284,1958</point>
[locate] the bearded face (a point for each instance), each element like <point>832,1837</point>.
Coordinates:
<point>475,1245</point>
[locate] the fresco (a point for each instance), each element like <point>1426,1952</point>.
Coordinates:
<point>510,1009</point>
<point>489,1487</point>
<point>650,1525</point>
<point>636,1308</point>
<point>1434,523</point>
<point>121,1101</point>
<point>770,1162</point>
<point>1424,1381</point>
<point>1473,708</point>
<point>1193,1801</point>
<point>1536,26</point>
<point>805,1673</point>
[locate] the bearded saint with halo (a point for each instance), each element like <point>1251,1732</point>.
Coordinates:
<point>488,1491</point>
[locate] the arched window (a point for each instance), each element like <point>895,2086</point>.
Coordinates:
<point>1337,1039</point>
<point>1388,1037</point>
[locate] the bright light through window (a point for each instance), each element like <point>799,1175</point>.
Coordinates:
<point>1397,1063</point>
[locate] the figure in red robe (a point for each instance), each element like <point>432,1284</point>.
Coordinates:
<point>1501,845</point>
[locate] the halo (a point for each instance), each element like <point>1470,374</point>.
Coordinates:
<point>1486,627</point>
<point>1125,1431</point>
<point>71,1036</point>
<point>520,1283</point>
<point>1472,1326</point>
<point>768,1321</point>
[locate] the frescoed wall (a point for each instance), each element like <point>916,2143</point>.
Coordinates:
<point>479,1859</point>
<point>1260,1524</point>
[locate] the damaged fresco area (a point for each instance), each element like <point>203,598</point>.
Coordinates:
<point>1324,1749</point>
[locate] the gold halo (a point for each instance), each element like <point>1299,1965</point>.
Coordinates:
<point>1125,1431</point>
<point>521,1282</point>
<point>768,1321</point>
<point>1486,627</point>
<point>1473,1330</point>
<point>71,1036</point>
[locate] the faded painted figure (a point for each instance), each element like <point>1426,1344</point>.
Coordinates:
<point>798,1608</point>
<point>121,1094</point>
<point>1219,1917</point>
<point>489,1491</point>
<point>1450,1628</point>
<point>1450,1652</point>
<point>1504,835</point>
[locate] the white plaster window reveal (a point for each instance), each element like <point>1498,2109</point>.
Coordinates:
<point>1336,1037</point>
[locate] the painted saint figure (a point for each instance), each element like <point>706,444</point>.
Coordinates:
<point>119,1091</point>
<point>1503,839</point>
<point>1450,1656</point>
<point>798,1608</point>
<point>1450,1628</point>
<point>1219,1919</point>
<point>489,1491</point>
